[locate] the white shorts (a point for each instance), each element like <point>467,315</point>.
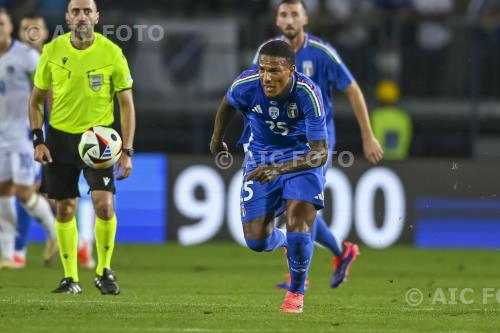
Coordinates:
<point>19,167</point>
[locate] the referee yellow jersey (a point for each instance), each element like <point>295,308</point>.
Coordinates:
<point>84,82</point>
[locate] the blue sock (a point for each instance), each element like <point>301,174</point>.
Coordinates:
<point>300,251</point>
<point>22,227</point>
<point>324,236</point>
<point>272,242</point>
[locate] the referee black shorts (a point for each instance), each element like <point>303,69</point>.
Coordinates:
<point>63,173</point>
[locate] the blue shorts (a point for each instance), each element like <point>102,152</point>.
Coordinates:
<point>261,199</point>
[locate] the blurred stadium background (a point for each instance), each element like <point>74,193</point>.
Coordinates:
<point>443,54</point>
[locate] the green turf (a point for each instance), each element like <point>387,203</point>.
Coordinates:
<point>224,287</point>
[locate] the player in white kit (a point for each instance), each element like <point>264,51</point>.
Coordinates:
<point>18,62</point>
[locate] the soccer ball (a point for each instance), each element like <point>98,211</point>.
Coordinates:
<point>100,147</point>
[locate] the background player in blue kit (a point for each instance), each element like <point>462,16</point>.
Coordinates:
<point>322,64</point>
<point>284,169</point>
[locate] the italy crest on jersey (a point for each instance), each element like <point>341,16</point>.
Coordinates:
<point>274,112</point>
<point>292,111</point>
<point>307,68</point>
<point>96,81</point>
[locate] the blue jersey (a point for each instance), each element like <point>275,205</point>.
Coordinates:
<point>320,62</point>
<point>279,130</point>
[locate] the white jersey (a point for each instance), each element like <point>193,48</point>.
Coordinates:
<point>17,66</point>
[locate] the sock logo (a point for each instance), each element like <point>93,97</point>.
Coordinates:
<point>299,270</point>
<point>106,248</point>
<point>297,262</point>
<point>66,256</point>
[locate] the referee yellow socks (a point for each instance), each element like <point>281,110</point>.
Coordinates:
<point>67,239</point>
<point>105,232</point>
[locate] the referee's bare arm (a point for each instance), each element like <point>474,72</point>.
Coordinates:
<point>127,120</point>
<point>36,109</point>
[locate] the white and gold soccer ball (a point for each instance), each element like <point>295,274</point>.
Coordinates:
<point>100,147</point>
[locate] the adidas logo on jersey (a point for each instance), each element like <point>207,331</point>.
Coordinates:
<point>257,109</point>
<point>320,196</point>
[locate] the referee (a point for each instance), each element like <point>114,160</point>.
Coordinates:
<point>84,70</point>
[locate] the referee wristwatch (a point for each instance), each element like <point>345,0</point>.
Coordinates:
<point>129,152</point>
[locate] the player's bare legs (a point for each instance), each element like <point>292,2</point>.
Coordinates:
<point>38,206</point>
<point>105,231</point>
<point>261,234</point>
<point>103,204</point>
<point>6,188</point>
<point>259,228</point>
<point>66,210</point>
<point>300,216</point>
<point>35,204</point>
<point>7,224</point>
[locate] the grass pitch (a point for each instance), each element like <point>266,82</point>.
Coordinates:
<point>223,287</point>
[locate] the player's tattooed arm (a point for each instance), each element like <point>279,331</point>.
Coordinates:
<point>316,157</point>
<point>224,115</point>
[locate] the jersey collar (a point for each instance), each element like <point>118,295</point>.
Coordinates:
<point>9,48</point>
<point>91,47</point>
<point>293,82</point>
<point>306,40</point>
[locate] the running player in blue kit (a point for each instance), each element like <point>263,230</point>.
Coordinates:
<point>284,169</point>
<point>321,63</point>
